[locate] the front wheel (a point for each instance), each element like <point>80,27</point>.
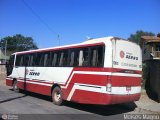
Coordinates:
<point>57,98</point>
<point>15,86</point>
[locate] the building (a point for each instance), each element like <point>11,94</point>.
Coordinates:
<point>151,65</point>
<point>150,47</point>
<point>2,57</point>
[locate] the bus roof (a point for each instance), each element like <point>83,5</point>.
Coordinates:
<point>87,42</point>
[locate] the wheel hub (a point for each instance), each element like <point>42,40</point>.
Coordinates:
<point>57,96</point>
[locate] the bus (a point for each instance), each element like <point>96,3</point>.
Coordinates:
<point>98,71</point>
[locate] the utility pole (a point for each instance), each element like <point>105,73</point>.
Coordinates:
<point>58,39</point>
<point>5,51</point>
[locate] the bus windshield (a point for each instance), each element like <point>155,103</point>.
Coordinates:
<point>10,64</point>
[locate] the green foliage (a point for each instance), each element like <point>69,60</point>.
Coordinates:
<point>137,36</point>
<point>18,43</point>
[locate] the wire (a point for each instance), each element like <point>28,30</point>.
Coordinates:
<point>41,20</point>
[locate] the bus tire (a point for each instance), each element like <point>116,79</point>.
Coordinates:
<point>57,97</point>
<point>15,87</point>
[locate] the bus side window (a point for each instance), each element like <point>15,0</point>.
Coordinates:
<point>97,55</point>
<point>81,59</point>
<point>19,60</point>
<point>54,59</point>
<point>26,60</point>
<point>74,57</point>
<point>39,59</point>
<point>46,59</point>
<point>32,59</point>
<point>11,60</point>
<point>94,57</point>
<point>100,57</point>
<point>84,57</point>
<point>63,58</point>
<point>10,65</point>
<point>42,59</point>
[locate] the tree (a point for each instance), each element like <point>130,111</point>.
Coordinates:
<point>17,43</point>
<point>137,36</point>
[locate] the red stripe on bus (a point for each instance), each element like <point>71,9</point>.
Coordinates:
<point>9,82</point>
<point>119,70</point>
<point>125,81</point>
<point>99,80</point>
<point>41,89</point>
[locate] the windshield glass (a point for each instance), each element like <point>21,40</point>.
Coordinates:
<point>10,64</point>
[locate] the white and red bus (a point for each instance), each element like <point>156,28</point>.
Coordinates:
<point>98,71</point>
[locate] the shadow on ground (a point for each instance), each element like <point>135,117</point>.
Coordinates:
<point>104,110</point>
<point>10,99</point>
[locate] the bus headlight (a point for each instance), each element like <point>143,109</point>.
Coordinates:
<point>109,87</point>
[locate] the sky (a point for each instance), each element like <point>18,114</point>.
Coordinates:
<point>75,20</point>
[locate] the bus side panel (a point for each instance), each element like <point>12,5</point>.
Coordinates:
<point>37,88</point>
<point>87,97</point>
<point>9,81</point>
<point>43,81</point>
<point>84,86</point>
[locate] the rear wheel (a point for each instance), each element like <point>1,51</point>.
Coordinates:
<point>57,97</point>
<point>15,86</point>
